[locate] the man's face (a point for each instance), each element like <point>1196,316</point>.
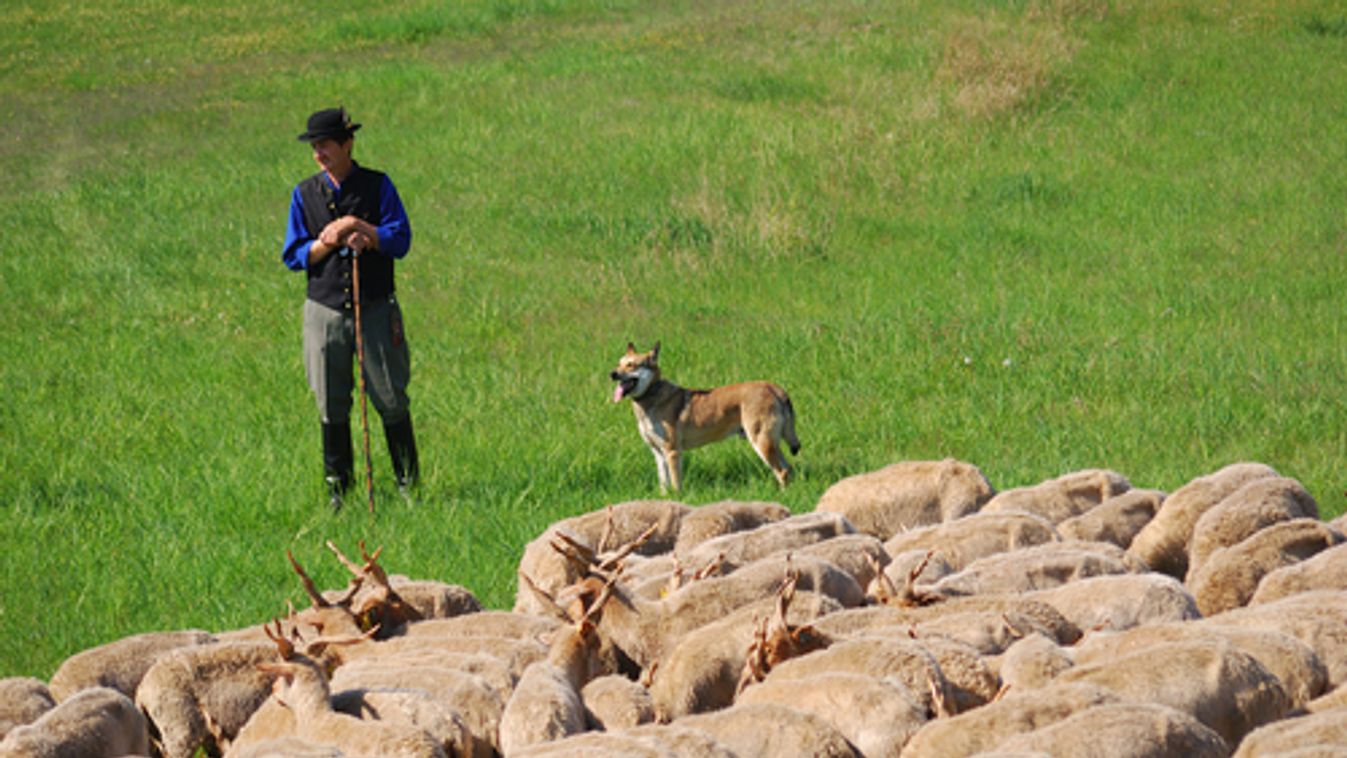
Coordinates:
<point>332,156</point>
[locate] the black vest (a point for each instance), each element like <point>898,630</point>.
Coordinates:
<point>330,278</point>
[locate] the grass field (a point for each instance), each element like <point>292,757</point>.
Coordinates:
<point>1036,235</point>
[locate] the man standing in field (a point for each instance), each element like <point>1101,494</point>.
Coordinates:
<point>342,217</point>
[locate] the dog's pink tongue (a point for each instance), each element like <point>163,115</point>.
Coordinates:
<point>617,394</point>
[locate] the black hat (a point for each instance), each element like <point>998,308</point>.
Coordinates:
<point>331,122</point>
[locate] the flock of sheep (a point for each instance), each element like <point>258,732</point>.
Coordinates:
<point>916,612</point>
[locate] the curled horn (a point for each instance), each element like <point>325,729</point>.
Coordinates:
<point>284,646</point>
<point>611,562</point>
<point>309,589</point>
<point>548,602</point>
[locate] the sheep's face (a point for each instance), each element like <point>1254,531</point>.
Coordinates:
<point>635,372</point>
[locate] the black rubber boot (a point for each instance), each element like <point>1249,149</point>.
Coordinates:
<point>402,451</point>
<point>338,462</point>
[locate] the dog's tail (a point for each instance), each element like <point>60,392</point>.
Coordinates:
<point>788,429</point>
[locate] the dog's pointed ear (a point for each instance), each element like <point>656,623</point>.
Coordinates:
<point>654,351</point>
<point>631,348</point>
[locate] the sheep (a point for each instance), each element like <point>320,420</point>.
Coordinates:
<point>1018,712</point>
<point>288,747</point>
<point>1034,614</point>
<point>1322,571</point>
<point>896,584</point>
<point>1231,575</point>
<point>967,680</point>
<point>272,721</point>
<point>1223,687</point>
<point>1317,618</point>
<point>861,556</point>
<point>119,664</point>
<point>1120,601</point>
<point>478,703</point>
<point>496,672</point>
<point>433,599</point>
<point>595,745</point>
<point>1118,519</point>
<point>374,601</point>
<point>710,599</point>
<point>654,741</point>
<point>1242,513</point>
<point>275,719</point>
<point>273,725</point>
<point>495,624</point>
<point>95,722</point>
<point>970,681</point>
<point>598,531</point>
<point>411,708</point>
<point>680,741</point>
<point>1335,698</point>
<point>23,700</point>
<point>1326,731</point>
<point>501,660</point>
<point>715,519</point>
<point>702,672</point>
<point>328,613</point>
<point>546,705</point>
<point>962,541</point>
<point>908,494</point>
<point>1040,567</point>
<point>1067,496</point>
<point>739,549</point>
<point>613,702</point>
<point>776,640</point>
<point>302,687</point>
<point>987,632</point>
<point>769,731</point>
<point>905,661</point>
<point>1122,730</point>
<point>1302,674</point>
<point>1031,663</point>
<point>1163,543</point>
<point>645,631</point>
<point>202,695</point>
<point>877,715</point>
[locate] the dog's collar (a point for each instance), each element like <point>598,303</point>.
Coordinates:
<point>652,391</point>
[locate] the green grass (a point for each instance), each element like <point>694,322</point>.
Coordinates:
<point>1039,236</point>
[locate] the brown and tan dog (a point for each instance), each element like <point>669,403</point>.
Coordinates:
<point>673,419</point>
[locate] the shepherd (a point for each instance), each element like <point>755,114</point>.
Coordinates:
<point>347,227</point>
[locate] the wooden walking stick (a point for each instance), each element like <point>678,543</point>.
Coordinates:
<point>360,369</point>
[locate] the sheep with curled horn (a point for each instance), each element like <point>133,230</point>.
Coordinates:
<point>776,639</point>
<point>547,705</point>
<point>301,685</point>
<point>375,602</point>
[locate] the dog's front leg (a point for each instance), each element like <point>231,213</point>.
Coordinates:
<point>674,465</point>
<point>662,466</point>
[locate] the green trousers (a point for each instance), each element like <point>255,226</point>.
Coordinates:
<point>330,358</point>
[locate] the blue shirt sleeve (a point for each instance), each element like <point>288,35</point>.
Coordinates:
<point>295,252</point>
<point>395,229</point>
